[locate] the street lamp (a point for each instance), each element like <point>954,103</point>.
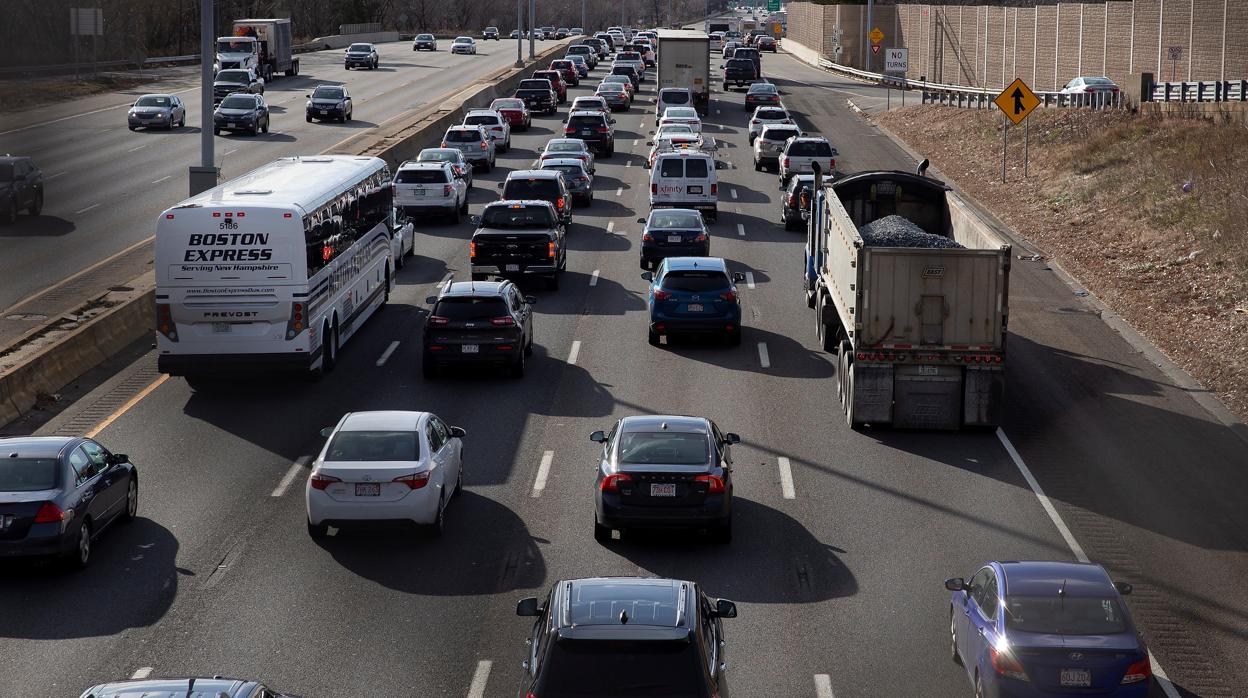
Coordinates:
<point>519,33</point>
<point>205,176</point>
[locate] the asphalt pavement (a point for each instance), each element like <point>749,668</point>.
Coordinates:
<point>842,538</point>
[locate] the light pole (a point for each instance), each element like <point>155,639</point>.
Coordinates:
<point>584,17</point>
<point>205,176</point>
<point>870,26</point>
<point>532,28</point>
<point>519,33</point>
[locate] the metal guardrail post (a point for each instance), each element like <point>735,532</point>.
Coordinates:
<point>1243,90</point>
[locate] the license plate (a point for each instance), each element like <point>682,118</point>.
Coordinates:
<point>925,370</point>
<point>512,267</point>
<point>695,190</point>
<point>231,125</point>
<point>470,349</point>
<point>324,111</point>
<point>222,328</point>
<point>657,490</point>
<point>586,132</point>
<point>367,489</point>
<point>694,307</point>
<point>418,192</point>
<point>1076,677</point>
<point>674,238</point>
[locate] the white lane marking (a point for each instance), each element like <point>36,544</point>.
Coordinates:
<point>576,351</point>
<point>786,479</point>
<point>717,111</point>
<point>823,686</point>
<point>479,678</point>
<point>84,210</point>
<point>543,472</point>
<point>749,279</point>
<point>593,278</point>
<point>142,672</point>
<point>163,179</point>
<point>1045,503</point>
<point>610,226</point>
<point>734,193</point>
<point>763,357</point>
<point>628,164</point>
<point>385,355</point>
<point>740,226</point>
<point>231,151</point>
<point>141,147</point>
<point>619,192</point>
<point>295,468</point>
<point>636,141</point>
<point>54,176</point>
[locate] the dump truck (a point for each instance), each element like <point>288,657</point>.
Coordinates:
<point>263,45</point>
<point>919,329</point>
<point>684,60</point>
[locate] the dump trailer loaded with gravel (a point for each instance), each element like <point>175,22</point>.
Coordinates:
<point>910,288</point>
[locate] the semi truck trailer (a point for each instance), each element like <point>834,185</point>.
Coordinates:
<point>684,60</point>
<point>263,45</point>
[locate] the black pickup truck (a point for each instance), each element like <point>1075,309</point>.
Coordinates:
<point>538,95</point>
<point>518,238</point>
<point>739,72</point>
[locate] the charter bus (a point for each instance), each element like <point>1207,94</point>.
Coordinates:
<point>275,270</point>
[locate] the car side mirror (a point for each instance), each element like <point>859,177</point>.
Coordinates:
<point>1123,588</point>
<point>474,219</point>
<point>308,96</point>
<point>732,438</point>
<point>647,275</point>
<point>650,143</point>
<point>721,67</point>
<point>598,437</point>
<point>835,152</point>
<point>328,430</point>
<point>500,185</point>
<point>641,220</point>
<point>738,276</point>
<point>428,299</point>
<point>528,607</point>
<point>119,458</point>
<point>458,432</point>
<point>725,609</point>
<point>956,584</point>
<point>782,187</point>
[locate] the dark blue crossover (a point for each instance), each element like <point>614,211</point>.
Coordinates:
<point>673,232</point>
<point>694,295</point>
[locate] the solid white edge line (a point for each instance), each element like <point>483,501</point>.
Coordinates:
<point>543,472</point>
<point>575,352</point>
<point>823,686</point>
<point>479,679</point>
<point>1045,503</point>
<point>763,357</point>
<point>593,278</point>
<point>786,479</point>
<point>142,672</point>
<point>385,355</point>
<point>741,229</point>
<point>749,279</point>
<point>289,477</point>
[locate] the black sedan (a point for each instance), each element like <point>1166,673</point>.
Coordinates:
<point>57,494</point>
<point>664,471</point>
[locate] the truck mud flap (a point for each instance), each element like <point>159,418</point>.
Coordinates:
<point>873,393</point>
<point>983,396</point>
<point>927,397</point>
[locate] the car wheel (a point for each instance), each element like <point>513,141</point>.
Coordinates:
<point>757,167</point>
<point>654,338</point>
<point>80,556</point>
<point>602,534</point>
<point>330,357</point>
<point>723,533</point>
<point>979,686</point>
<point>308,118</point>
<point>216,131</point>
<point>428,368</point>
<point>459,481</point>
<point>453,216</point>
<point>132,128</point>
<point>182,122</point>
<point>438,527</point>
<point>528,347</point>
<point>132,501</point>
<point>463,208</point>
<point>350,115</point>
<point>953,639</point>
<point>317,531</point>
<point>347,67</point>
<point>266,125</point>
<point>517,366</point>
<point>552,281</point>
<point>37,207</point>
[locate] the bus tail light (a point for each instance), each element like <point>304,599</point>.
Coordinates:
<point>164,322</point>
<point>297,322</point>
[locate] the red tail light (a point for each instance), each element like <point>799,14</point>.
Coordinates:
<point>550,250</point>
<point>792,201</point>
<point>831,164</point>
<point>700,238</point>
<point>439,320</point>
<point>472,250</point>
<point>611,483</point>
<point>446,190</point>
<point>559,202</point>
<point>164,321</point>
<point>661,295</point>
<point>753,121</point>
<point>502,321</point>
<point>297,322</point>
<point>414,481</point>
<point>394,189</point>
<point>604,130</point>
<point>484,145</point>
<point>49,513</point>
<point>728,296</point>
<point>714,189</point>
<point>714,483</point>
<point>1139,671</point>
<point>786,162</point>
<point>647,237</point>
<point>320,481</point>
<point>1006,665</point>
<point>569,131</point>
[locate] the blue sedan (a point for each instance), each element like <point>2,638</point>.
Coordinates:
<point>673,232</point>
<point>694,295</point>
<point>1024,629</point>
<point>57,494</point>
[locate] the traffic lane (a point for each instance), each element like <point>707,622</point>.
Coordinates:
<point>104,165</point>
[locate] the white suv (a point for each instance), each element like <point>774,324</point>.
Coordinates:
<point>494,124</point>
<point>800,152</point>
<point>768,116</point>
<point>421,186</point>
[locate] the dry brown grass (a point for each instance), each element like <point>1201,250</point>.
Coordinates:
<point>17,95</point>
<point>1150,213</point>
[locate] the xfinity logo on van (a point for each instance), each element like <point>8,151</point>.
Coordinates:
<point>244,247</point>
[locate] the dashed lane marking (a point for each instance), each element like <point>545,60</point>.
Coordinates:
<point>293,472</point>
<point>576,351</point>
<point>610,226</point>
<point>628,164</point>
<point>54,176</point>
<point>823,686</point>
<point>479,679</point>
<point>163,179</point>
<point>749,279</point>
<point>142,672</point>
<point>734,194</point>
<point>593,278</point>
<point>543,472</point>
<point>786,479</point>
<point>741,229</point>
<point>385,355</point>
<point>619,192</point>
<point>139,147</point>
<point>84,210</point>
<point>763,358</point>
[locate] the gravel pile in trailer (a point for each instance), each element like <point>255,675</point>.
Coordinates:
<point>895,231</point>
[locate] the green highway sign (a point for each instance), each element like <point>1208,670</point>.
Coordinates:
<point>773,5</point>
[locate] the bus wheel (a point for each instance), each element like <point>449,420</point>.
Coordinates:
<point>329,358</point>
<point>385,295</point>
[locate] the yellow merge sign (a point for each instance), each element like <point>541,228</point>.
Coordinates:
<point>876,36</point>
<point>1017,101</point>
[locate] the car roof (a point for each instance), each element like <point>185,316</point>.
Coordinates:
<point>531,174</point>
<point>675,89</point>
<point>583,112</point>
<point>647,602</point>
<point>562,161</point>
<point>1042,578</point>
<point>572,140</point>
<point>482,112</point>
<point>397,420</point>
<point>171,688</point>
<point>10,159</point>
<point>439,150</point>
<point>661,211</point>
<point>34,446</point>
<point>697,263</point>
<point>685,153</point>
<point>426,165</point>
<point>473,289</point>
<point>464,127</point>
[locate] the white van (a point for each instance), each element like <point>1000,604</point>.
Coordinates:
<point>685,179</point>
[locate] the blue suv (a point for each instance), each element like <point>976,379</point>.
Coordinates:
<point>694,295</point>
<point>1024,629</point>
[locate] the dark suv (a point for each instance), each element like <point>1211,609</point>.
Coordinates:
<point>478,322</point>
<point>593,127</point>
<point>542,185</point>
<point>739,72</point>
<point>519,238</point>
<point>625,636</point>
<point>538,95</point>
<point>21,187</point>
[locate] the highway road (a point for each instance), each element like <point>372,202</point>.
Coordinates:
<point>107,184</point>
<point>843,538</point>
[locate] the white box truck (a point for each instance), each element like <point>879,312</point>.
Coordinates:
<point>264,45</point>
<point>684,60</point>
<point>919,329</point>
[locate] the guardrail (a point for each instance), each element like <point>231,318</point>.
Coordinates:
<point>1210,91</point>
<point>975,97</point>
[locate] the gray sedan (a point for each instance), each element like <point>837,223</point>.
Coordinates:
<point>157,111</point>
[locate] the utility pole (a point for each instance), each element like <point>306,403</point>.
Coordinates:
<point>205,176</point>
<point>584,17</point>
<point>532,28</point>
<point>870,25</point>
<point>519,33</point>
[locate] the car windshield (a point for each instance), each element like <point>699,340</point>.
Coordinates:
<point>669,448</point>
<point>421,176</point>
<point>360,48</point>
<point>741,63</point>
<point>462,136</point>
<point>762,88</point>
<point>674,128</point>
<point>424,37</point>
<point>480,119</point>
<point>570,170</point>
<point>587,104</point>
<point>535,84</point>
<point>1098,81</point>
<point>695,281</point>
<point>612,87</point>
<point>628,56</point>
<point>619,669</point>
<point>438,155</point>
<point>508,104</point>
<point>674,97</point>
<point>669,220</point>
<point>153,102</point>
<point>543,189</point>
<point>373,446</point>
<point>810,149</point>
<point>771,114</point>
<point>565,147</point>
<point>585,122</point>
<point>515,216</point>
<point>232,76</point>
<point>462,40</point>
<point>470,308</point>
<point>680,113</point>
<point>779,134</point>
<point>27,474</point>
<point>238,103</point>
<point>1065,615</point>
<point>327,93</point>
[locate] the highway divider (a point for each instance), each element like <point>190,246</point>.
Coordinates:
<point>66,354</point>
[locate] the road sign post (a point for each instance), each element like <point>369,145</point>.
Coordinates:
<point>876,36</point>
<point>1016,102</point>
<point>1176,55</point>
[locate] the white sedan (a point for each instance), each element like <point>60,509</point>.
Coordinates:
<point>687,116</point>
<point>464,44</point>
<point>386,466</point>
